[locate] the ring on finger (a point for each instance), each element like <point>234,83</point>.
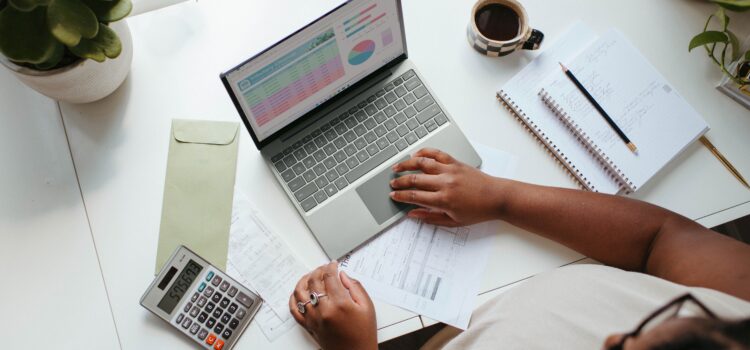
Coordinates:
<point>315,298</point>
<point>301,306</point>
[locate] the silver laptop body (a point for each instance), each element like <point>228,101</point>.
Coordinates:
<point>331,108</point>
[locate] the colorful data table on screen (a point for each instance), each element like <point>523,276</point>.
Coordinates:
<point>294,77</point>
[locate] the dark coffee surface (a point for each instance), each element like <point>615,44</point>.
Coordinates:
<point>497,22</point>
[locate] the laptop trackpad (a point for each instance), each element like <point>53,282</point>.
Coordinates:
<point>375,193</point>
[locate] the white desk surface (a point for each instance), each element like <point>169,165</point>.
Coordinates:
<point>53,294</point>
<point>119,145</point>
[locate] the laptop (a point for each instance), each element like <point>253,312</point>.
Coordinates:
<point>332,107</point>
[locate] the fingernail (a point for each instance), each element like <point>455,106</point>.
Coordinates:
<point>392,194</point>
<point>395,167</point>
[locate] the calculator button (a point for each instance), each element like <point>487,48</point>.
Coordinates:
<point>211,339</point>
<point>224,302</point>
<point>217,297</point>
<point>202,334</point>
<point>194,297</point>
<point>186,323</point>
<point>234,323</point>
<point>219,327</point>
<point>225,318</point>
<point>179,318</point>
<point>211,322</point>
<point>202,317</point>
<point>219,344</point>
<point>241,313</point>
<point>202,286</point>
<point>210,306</point>
<point>195,311</point>
<point>208,292</point>
<point>232,308</point>
<point>232,291</point>
<point>244,299</point>
<point>187,307</point>
<point>202,301</point>
<point>224,286</point>
<point>216,280</point>
<point>195,328</point>
<point>209,276</point>
<point>217,313</point>
<point>226,334</point>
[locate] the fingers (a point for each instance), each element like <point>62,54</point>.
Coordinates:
<point>421,198</point>
<point>300,291</point>
<point>334,287</point>
<point>325,280</point>
<point>436,154</point>
<point>295,313</point>
<point>356,290</point>
<point>433,217</point>
<point>299,295</point>
<point>423,164</point>
<point>418,181</point>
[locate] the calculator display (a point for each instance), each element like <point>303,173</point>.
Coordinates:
<point>180,286</point>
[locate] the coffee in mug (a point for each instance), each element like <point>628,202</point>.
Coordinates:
<point>499,27</point>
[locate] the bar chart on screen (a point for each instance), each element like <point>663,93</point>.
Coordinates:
<point>366,19</point>
<point>292,78</point>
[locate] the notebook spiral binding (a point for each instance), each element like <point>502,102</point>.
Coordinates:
<point>609,165</point>
<point>548,144</point>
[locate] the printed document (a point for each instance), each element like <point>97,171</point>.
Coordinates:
<point>430,270</point>
<point>261,260</point>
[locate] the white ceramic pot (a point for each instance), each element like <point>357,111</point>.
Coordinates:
<point>84,81</point>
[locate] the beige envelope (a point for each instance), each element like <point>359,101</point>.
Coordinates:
<point>198,190</point>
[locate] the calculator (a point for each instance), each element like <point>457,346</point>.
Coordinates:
<point>201,301</point>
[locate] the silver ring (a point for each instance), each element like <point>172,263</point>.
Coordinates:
<point>315,297</point>
<point>301,306</point>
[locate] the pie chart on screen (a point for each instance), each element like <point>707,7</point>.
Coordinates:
<point>361,52</point>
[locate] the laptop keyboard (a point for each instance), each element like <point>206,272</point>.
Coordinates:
<point>338,153</point>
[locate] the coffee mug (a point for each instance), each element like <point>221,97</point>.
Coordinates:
<point>499,27</point>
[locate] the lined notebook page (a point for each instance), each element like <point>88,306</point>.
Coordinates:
<point>520,93</point>
<point>637,97</point>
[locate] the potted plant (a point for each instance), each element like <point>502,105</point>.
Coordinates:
<point>70,50</point>
<point>723,47</point>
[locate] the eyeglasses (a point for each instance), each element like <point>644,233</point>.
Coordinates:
<point>666,312</point>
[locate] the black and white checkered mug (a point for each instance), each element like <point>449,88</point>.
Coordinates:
<point>526,37</point>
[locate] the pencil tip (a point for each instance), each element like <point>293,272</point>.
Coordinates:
<point>632,147</point>
<point>565,69</point>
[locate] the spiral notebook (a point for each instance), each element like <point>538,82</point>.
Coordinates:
<point>648,109</point>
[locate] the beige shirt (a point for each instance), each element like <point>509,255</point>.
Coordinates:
<point>574,307</point>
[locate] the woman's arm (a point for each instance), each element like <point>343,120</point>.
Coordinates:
<point>617,231</point>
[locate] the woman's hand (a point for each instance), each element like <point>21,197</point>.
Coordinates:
<point>344,318</point>
<point>450,193</point>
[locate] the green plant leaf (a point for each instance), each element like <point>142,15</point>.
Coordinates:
<point>24,36</point>
<point>53,60</point>
<point>27,5</point>
<point>707,37</point>
<point>71,20</point>
<point>734,5</point>
<point>110,11</point>
<point>735,43</point>
<point>105,44</point>
<point>722,17</point>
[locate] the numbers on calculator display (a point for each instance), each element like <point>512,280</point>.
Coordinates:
<point>180,286</point>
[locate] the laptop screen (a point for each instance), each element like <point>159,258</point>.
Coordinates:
<point>311,66</point>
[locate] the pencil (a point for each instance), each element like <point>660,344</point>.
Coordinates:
<point>723,160</point>
<point>599,108</point>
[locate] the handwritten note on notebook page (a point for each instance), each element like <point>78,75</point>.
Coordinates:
<point>637,97</point>
<point>520,94</point>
